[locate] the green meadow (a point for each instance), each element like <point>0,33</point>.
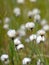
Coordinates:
<point>40,51</point>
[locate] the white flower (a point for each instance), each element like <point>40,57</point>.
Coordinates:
<point>43,22</point>
<point>46,27</point>
<point>5,58</point>
<point>20,46</point>
<point>23,27</point>
<point>37,18</point>
<point>30,25</point>
<point>39,62</point>
<point>41,32</point>
<point>17,11</point>
<point>27,40</point>
<point>30,14</point>
<point>6,26</point>
<point>6,20</point>
<point>35,11</point>
<point>17,41</point>
<point>32,0</point>
<point>11,33</point>
<point>43,39</point>
<point>40,39</point>
<point>32,37</point>
<point>26,61</point>
<point>21,32</point>
<point>20,1</point>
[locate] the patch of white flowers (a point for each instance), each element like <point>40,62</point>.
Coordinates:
<point>17,35</point>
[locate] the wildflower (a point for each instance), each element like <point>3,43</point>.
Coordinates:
<point>11,33</point>
<point>30,25</point>
<point>21,32</point>
<point>41,32</point>
<point>30,14</point>
<point>20,1</point>
<point>6,20</point>
<point>23,27</point>
<point>6,26</point>
<point>27,40</point>
<point>26,61</point>
<point>40,39</point>
<point>43,22</point>
<point>36,11</point>
<point>46,27</point>
<point>17,42</point>
<point>39,62</point>
<point>37,18</point>
<point>20,46</point>
<point>32,37</point>
<point>5,58</point>
<point>17,11</point>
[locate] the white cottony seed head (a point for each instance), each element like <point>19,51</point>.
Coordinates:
<point>5,58</point>
<point>17,41</point>
<point>40,39</point>
<point>21,32</point>
<point>11,33</point>
<point>46,27</point>
<point>32,37</point>
<point>23,27</point>
<point>43,22</point>
<point>41,32</point>
<point>38,62</point>
<point>6,26</point>
<point>17,11</point>
<point>29,25</point>
<point>20,46</point>
<point>35,11</point>
<point>20,1</point>
<point>26,61</point>
<point>6,20</point>
<point>37,18</point>
<point>27,40</point>
<point>30,13</point>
